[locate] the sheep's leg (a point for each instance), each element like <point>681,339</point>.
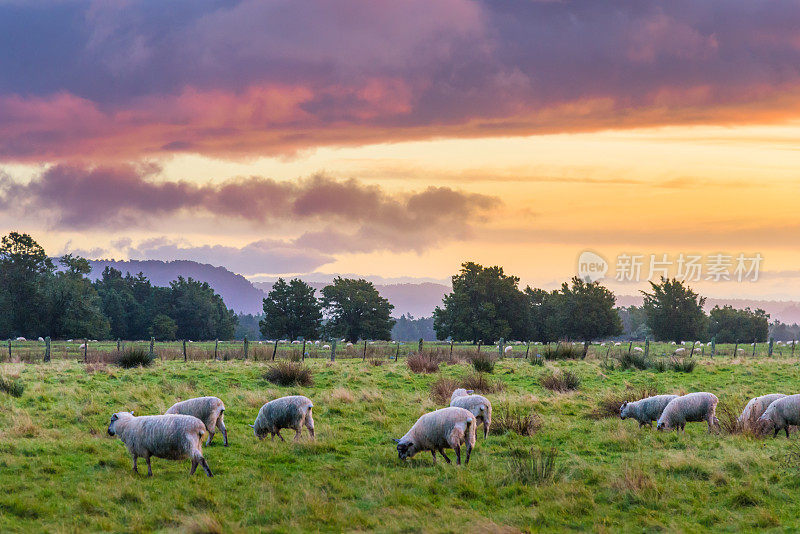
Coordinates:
<point>210,436</point>
<point>297,432</point>
<point>485,428</point>
<point>310,425</point>
<point>205,467</point>
<point>446,459</point>
<point>457,448</point>
<point>279,435</point>
<point>135,467</point>
<point>433,453</point>
<point>469,451</point>
<point>786,428</point>
<point>775,435</point>
<point>194,465</point>
<point>149,469</point>
<point>221,426</point>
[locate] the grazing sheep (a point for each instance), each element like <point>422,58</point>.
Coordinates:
<point>638,349</point>
<point>755,408</point>
<point>680,350</point>
<point>349,344</point>
<point>435,431</point>
<point>480,406</point>
<point>508,349</point>
<point>781,414</point>
<point>210,410</point>
<point>326,346</point>
<point>690,408</point>
<point>41,338</point>
<point>647,410</point>
<point>173,437</point>
<point>287,412</point>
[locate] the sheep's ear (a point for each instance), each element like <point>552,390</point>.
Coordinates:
<point>470,391</point>
<point>251,426</point>
<point>131,412</point>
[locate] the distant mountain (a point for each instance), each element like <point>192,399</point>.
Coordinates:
<point>236,290</point>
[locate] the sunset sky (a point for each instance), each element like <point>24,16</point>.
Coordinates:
<point>397,139</point>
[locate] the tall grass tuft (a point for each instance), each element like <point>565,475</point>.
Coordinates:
<point>560,381</point>
<point>481,384</point>
<point>289,374</point>
<point>563,351</point>
<point>537,359</point>
<point>518,420</point>
<point>682,365</point>
<point>634,360</point>
<point>135,357</point>
<point>443,388</point>
<point>422,363</point>
<point>537,468</point>
<point>483,362</point>
<point>13,387</point>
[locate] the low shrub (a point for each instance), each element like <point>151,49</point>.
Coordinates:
<point>289,374</point>
<point>13,387</point>
<point>563,351</point>
<point>537,359</point>
<point>422,363</point>
<point>481,384</point>
<point>728,415</point>
<point>483,362</point>
<point>561,381</point>
<point>376,362</point>
<point>443,388</point>
<point>609,404</point>
<point>536,468</point>
<point>682,365</point>
<point>519,420</point>
<point>135,357</point>
<point>634,360</point>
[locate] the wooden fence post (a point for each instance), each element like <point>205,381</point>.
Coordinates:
<point>152,347</point>
<point>646,347</point>
<point>479,345</point>
<point>397,352</point>
<point>691,353</point>
<point>527,350</point>
<point>9,349</point>
<point>736,348</point>
<point>185,357</point>
<point>47,349</point>
<point>754,347</point>
<point>275,350</point>
<point>245,346</point>
<point>333,350</point>
<point>303,353</point>
<point>792,348</point>
<point>365,351</point>
<point>771,344</point>
<point>420,345</point>
<point>85,350</point>
<point>216,349</point>
<point>451,348</point>
<point>500,352</point>
<point>714,346</point>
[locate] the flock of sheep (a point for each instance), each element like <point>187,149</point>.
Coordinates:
<point>767,413</point>
<point>177,434</point>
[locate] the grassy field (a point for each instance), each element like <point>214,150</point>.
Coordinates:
<point>62,473</point>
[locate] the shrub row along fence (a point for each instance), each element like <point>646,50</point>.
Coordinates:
<point>93,351</point>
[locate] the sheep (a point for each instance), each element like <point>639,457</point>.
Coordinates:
<point>41,338</point>
<point>349,344</point>
<point>173,437</point>
<point>20,338</point>
<point>690,408</point>
<point>435,431</point>
<point>286,412</point>
<point>508,349</point>
<point>480,406</point>
<point>647,410</point>
<point>326,346</point>
<point>638,349</point>
<point>680,350</point>
<point>210,410</point>
<point>617,344</point>
<point>755,408</point>
<point>780,414</point>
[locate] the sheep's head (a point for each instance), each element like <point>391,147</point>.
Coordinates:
<point>764,424</point>
<point>663,425</point>
<point>260,433</point>
<point>623,410</point>
<point>112,426</point>
<point>405,449</point>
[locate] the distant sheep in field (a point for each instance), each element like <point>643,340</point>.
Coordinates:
<point>780,415</point>
<point>508,349</point>
<point>647,410</point>
<point>173,437</point>
<point>41,338</point>
<point>349,344</point>
<point>638,349</point>
<point>690,408</point>
<point>286,412</point>
<point>755,408</point>
<point>22,339</point>
<point>326,346</point>
<point>210,410</point>
<point>479,405</point>
<point>448,428</point>
<point>617,344</point>
<point>680,350</point>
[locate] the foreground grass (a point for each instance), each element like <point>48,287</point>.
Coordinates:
<point>62,473</point>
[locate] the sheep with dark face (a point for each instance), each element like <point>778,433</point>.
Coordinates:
<point>448,428</point>
<point>210,410</point>
<point>287,412</point>
<point>780,414</point>
<point>647,410</point>
<point>479,405</point>
<point>755,408</point>
<point>690,408</point>
<point>173,437</point>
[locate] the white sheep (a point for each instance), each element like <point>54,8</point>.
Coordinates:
<point>646,410</point>
<point>286,412</point>
<point>638,349</point>
<point>780,414</point>
<point>479,405</point>
<point>690,408</point>
<point>447,428</point>
<point>20,338</point>
<point>680,350</point>
<point>755,408</point>
<point>349,344</point>
<point>326,346</point>
<point>173,437</point>
<point>508,349</point>
<point>41,338</point>
<point>617,344</point>
<point>210,410</point>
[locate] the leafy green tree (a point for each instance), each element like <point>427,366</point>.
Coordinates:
<point>542,315</point>
<point>199,312</point>
<point>73,303</point>
<point>356,310</point>
<point>25,271</point>
<point>407,328</point>
<point>731,326</point>
<point>164,328</point>
<point>674,312</point>
<point>585,311</point>
<point>634,322</point>
<point>291,310</point>
<point>117,302</point>
<point>485,304</point>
